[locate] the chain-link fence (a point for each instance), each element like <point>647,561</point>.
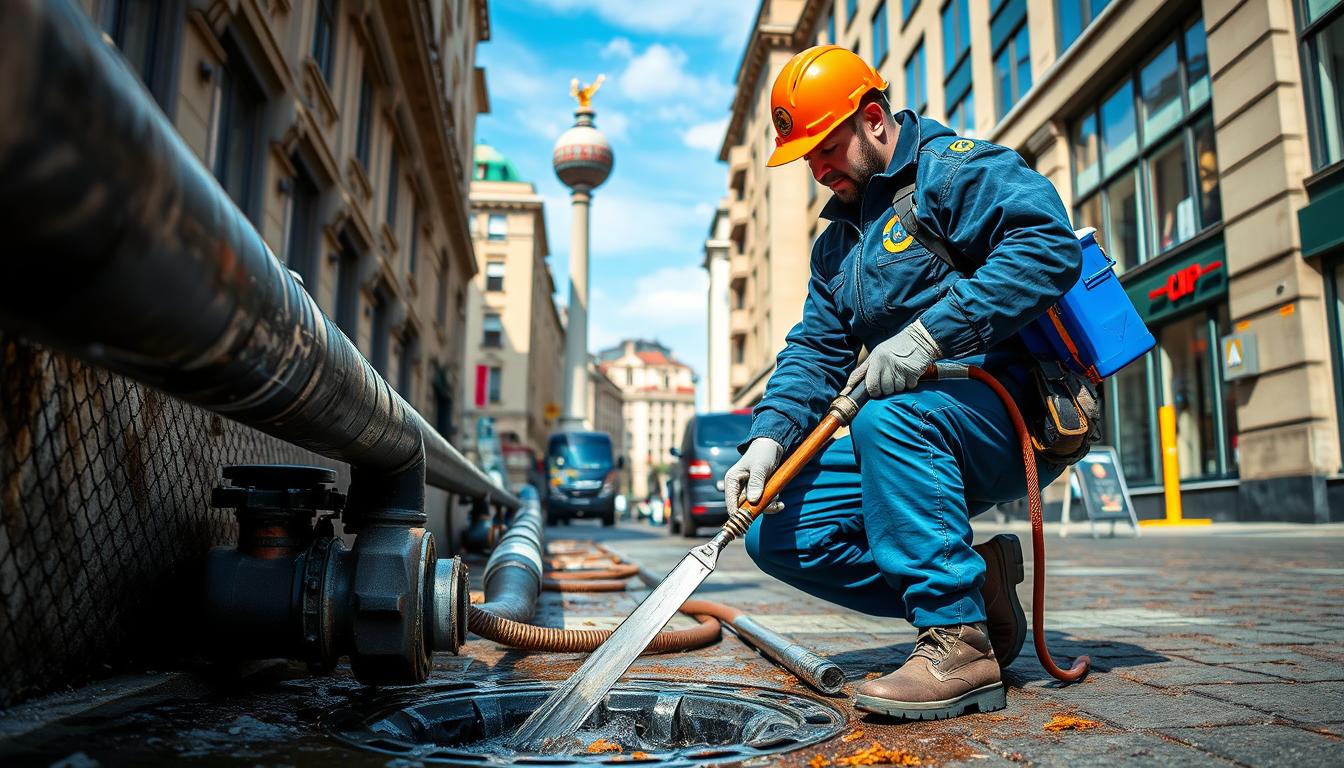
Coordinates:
<point>105,517</point>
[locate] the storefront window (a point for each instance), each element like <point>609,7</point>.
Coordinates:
<point>1173,208</point>
<point>1086,169</point>
<point>1188,386</point>
<point>1149,145</point>
<point>1231,460</point>
<point>1206,169</point>
<point>1119,139</point>
<point>1322,36</point>
<point>1196,64</point>
<point>1122,222</point>
<point>1133,432</point>
<point>1160,88</point>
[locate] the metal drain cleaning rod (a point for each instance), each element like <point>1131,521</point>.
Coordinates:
<point>566,709</point>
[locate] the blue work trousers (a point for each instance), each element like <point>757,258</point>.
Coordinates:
<point>880,521</point>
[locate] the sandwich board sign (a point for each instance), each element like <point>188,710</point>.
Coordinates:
<point>1099,481</point>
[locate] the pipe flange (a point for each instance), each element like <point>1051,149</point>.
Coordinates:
<point>450,605</point>
<point>317,642</point>
<point>393,569</point>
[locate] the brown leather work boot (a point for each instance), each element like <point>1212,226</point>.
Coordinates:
<point>951,672</point>
<point>1003,612</point>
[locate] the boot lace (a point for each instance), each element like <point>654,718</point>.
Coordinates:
<point>934,644</point>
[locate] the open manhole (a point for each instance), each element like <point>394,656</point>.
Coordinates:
<point>642,721</point>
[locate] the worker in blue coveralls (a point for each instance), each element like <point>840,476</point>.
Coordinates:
<point>880,521</point>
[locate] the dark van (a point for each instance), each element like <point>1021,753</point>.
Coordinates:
<point>708,449</point>
<point>581,477</point>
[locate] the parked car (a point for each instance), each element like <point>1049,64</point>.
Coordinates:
<point>708,449</point>
<point>581,477</point>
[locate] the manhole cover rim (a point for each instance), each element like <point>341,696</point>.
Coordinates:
<point>346,722</point>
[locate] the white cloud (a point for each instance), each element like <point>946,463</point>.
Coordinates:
<point>688,17</point>
<point>659,74</point>
<point>614,124</point>
<point>706,135</point>
<point>619,48</point>
<point>671,297</point>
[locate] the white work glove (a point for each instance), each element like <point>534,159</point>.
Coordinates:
<point>896,364</point>
<point>752,470</point>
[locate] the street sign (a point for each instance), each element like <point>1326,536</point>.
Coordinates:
<point>1241,357</point>
<point>551,412</point>
<point>1099,480</point>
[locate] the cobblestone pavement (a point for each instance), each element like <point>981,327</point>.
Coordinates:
<point>1219,646</point>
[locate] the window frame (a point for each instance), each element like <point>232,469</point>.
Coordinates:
<point>1308,58</point>
<point>503,234</point>
<point>1086,16</point>
<point>364,121</point>
<point>1009,48</point>
<point>923,76</point>
<point>487,341</point>
<point>880,53</point>
<point>326,18</point>
<point>490,285</point>
<point>1147,147</point>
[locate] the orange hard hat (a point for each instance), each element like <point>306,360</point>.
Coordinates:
<point>816,91</point>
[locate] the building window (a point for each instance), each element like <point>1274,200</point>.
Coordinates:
<point>497,227</point>
<point>1185,372</point>
<point>238,128</point>
<point>494,276</point>
<point>347,290</point>
<point>1321,32</point>
<point>1334,296</point>
<point>494,330</point>
<point>830,27</point>
<point>304,245</point>
<point>880,34</point>
<point>441,296</point>
<point>381,332</point>
<point>1011,44</point>
<point>851,10</point>
<point>413,252</point>
<point>739,349</point>
<point>916,81</point>
<point>961,115</point>
<point>956,35</point>
<point>364,121</point>
<point>146,33</point>
<point>410,351</point>
<point>494,383</point>
<point>1074,16</point>
<point>1144,161</point>
<point>908,7</point>
<point>393,182</point>
<point>324,37</point>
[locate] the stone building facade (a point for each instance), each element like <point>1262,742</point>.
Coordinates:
<point>1202,140</point>
<point>659,396</point>
<point>343,129</point>
<point>515,341</point>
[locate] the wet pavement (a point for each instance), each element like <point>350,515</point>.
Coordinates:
<point>1219,646</point>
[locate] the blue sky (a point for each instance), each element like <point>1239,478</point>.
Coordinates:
<point>669,83</point>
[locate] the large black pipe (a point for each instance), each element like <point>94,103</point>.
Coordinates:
<point>123,250</point>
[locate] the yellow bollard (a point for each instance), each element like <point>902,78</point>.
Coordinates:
<point>1171,473</point>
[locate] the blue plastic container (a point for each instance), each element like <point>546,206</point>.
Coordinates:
<point>1094,327</point>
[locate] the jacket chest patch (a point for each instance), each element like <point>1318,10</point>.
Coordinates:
<point>894,237</point>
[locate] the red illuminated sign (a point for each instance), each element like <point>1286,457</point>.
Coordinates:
<point>1181,283</point>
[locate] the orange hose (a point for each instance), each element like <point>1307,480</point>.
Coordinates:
<point>618,571</point>
<point>590,585</point>
<point>1082,663</point>
<point>529,638</point>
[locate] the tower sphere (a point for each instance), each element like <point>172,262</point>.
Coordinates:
<point>582,156</point>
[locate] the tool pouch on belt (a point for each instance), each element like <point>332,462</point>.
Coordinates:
<point>1065,416</point>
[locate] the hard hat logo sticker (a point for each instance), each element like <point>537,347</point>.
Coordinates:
<point>783,122</point>
<point>962,145</point>
<point>894,237</point>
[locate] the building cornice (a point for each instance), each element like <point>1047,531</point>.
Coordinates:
<point>764,38</point>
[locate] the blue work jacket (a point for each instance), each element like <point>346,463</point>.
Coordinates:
<point>869,279</point>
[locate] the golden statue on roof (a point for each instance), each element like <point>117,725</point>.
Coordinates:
<point>585,94</point>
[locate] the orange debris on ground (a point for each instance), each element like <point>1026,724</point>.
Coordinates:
<point>872,675</point>
<point>1063,722</point>
<point>640,755</point>
<point>602,745</point>
<point>876,754</point>
<point>852,736</point>
<point>819,761</point>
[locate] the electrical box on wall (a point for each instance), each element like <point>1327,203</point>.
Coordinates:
<point>1240,357</point>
